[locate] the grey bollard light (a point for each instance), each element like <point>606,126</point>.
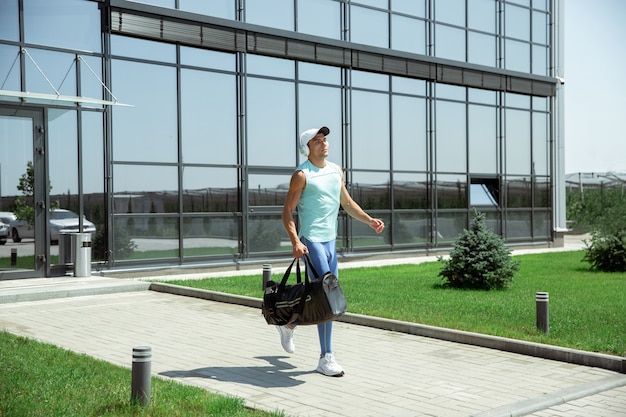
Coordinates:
<point>267,274</point>
<point>142,360</point>
<point>13,256</point>
<point>543,311</point>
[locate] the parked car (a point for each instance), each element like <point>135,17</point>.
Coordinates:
<point>61,221</point>
<point>6,217</point>
<point>4,233</point>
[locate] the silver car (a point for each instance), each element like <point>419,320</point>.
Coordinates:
<point>4,233</point>
<point>61,221</point>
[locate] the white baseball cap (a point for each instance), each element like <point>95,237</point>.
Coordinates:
<point>309,134</point>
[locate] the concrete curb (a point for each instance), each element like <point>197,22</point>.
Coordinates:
<point>533,405</point>
<point>609,362</point>
<point>71,290</point>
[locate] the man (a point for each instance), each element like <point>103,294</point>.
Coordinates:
<point>317,189</point>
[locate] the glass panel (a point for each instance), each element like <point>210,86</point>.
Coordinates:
<point>476,95</point>
<point>319,73</point>
<point>517,147</point>
<point>410,191</point>
<point>210,190</point>
<point>541,144</point>
<point>483,141</point>
<point>410,151</point>
<point>93,180</point>
<point>272,67</point>
<point>371,190</point>
<point>381,4</point>
<point>481,15</point>
<point>408,86</point>
<point>516,56</point>
<point>492,221</point>
<point>320,18</point>
<point>370,130</point>
<point>363,236</point>
<point>271,123</point>
<point>540,28</point>
<point>481,49</point>
<point>63,160</point>
<point>516,22</point>
<point>145,189</point>
<point>412,7</point>
<point>163,3</point>
<point>480,195</point>
<point>90,85</point>
<point>540,103</point>
<point>267,190</point>
<point>72,24</point>
<point>451,191</point>
<point>541,4</point>
<point>369,80</point>
<point>450,11</point>
<point>273,13</point>
<point>542,192</point>
<point>449,225</point>
<point>311,115</point>
<point>218,8</point>
<point>451,144</point>
<point>266,234</point>
<point>16,154</point>
<point>207,59</point>
<point>148,131</point>
<point>449,43</point>
<point>541,224</point>
<point>205,236</point>
<point>518,225</point>
<point>540,60</point>
<point>146,237</point>
<point>518,192</point>
<point>409,228</point>
<point>9,68</point>
<point>450,92</point>
<point>208,117</point>
<point>408,34</point>
<point>143,49</point>
<point>9,21</point>
<point>369,27</point>
<point>58,67</point>
<point>517,100</point>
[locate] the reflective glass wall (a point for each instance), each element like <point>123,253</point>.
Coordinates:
<point>197,168</point>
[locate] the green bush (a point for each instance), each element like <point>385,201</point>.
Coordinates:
<point>607,251</point>
<point>478,260</point>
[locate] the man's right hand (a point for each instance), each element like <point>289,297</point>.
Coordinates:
<point>299,249</point>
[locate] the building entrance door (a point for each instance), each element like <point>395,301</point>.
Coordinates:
<point>24,252</point>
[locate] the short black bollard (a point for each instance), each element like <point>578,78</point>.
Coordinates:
<point>142,360</point>
<point>543,311</point>
<point>13,256</point>
<point>267,274</point>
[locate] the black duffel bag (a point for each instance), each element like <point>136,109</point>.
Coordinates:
<point>306,302</point>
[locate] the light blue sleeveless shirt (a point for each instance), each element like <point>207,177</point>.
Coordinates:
<point>319,202</point>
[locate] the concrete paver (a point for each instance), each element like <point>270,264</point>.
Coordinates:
<point>228,348</point>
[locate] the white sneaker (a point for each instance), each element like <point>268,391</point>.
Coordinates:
<point>286,338</point>
<point>328,366</point>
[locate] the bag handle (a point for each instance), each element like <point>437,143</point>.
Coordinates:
<point>309,264</point>
<point>296,261</point>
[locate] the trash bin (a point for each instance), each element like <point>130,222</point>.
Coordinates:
<point>81,246</point>
<point>65,249</point>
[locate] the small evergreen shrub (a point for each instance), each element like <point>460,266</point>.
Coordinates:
<point>479,260</point>
<point>607,251</point>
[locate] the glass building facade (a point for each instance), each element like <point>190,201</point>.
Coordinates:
<point>172,124</point>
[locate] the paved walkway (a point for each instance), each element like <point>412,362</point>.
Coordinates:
<point>226,347</point>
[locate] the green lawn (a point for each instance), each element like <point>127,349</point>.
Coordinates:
<point>587,309</point>
<point>41,380</point>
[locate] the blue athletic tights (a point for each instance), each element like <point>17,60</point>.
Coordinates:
<point>324,258</point>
